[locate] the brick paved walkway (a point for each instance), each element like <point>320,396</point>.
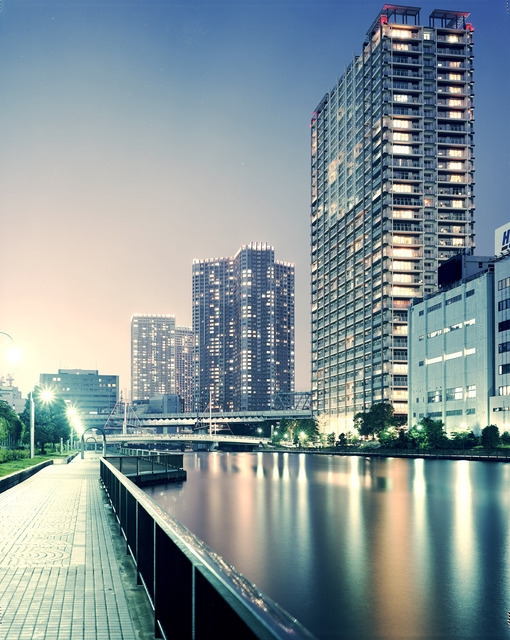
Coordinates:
<point>59,577</point>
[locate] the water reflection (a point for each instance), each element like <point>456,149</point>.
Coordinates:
<point>359,547</point>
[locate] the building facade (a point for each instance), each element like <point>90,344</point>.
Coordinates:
<point>86,390</point>
<point>452,349</point>
<point>243,323</point>
<point>391,199</point>
<point>184,345</point>
<point>499,401</point>
<point>161,358</point>
<point>12,395</point>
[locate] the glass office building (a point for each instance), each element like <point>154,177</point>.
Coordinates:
<point>391,199</point>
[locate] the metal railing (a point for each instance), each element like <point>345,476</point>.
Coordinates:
<point>195,594</point>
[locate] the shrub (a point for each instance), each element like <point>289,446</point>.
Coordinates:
<point>8,455</point>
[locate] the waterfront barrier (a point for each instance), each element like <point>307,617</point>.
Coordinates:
<point>194,593</point>
<point>487,455</point>
<point>146,470</point>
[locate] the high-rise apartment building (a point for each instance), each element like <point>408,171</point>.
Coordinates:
<point>184,345</point>
<point>161,358</point>
<point>243,323</point>
<point>391,199</point>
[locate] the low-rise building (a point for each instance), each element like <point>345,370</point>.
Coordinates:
<point>86,390</point>
<point>459,343</point>
<point>451,348</point>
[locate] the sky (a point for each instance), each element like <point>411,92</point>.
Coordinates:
<point>136,136</point>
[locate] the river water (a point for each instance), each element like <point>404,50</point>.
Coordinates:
<point>362,548</point>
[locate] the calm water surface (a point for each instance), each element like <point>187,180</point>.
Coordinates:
<point>359,547</point>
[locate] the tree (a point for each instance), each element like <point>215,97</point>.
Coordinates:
<point>50,421</point>
<point>379,417</point>
<point>331,439</point>
<point>362,424</point>
<point>505,438</point>
<point>389,437</point>
<point>429,434</point>
<point>10,425</point>
<point>490,437</point>
<point>342,440</point>
<point>464,439</point>
<point>297,430</point>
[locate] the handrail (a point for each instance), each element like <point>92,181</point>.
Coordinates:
<point>194,592</point>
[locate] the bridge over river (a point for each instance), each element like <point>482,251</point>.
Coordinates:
<point>124,418</point>
<point>186,437</point>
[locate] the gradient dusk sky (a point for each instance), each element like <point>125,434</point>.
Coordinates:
<point>139,135</point>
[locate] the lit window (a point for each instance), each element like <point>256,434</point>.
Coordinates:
<point>402,149</point>
<point>434,396</point>
<point>452,356</point>
<point>403,253</point>
<point>402,188</point>
<point>455,393</point>
<point>402,137</point>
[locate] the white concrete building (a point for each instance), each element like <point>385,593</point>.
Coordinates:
<point>499,402</point>
<point>451,353</point>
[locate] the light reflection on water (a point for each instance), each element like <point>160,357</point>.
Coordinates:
<point>359,547</point>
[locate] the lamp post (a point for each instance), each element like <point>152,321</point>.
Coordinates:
<point>32,424</point>
<point>75,421</point>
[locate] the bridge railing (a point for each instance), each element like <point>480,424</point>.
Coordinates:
<point>195,594</point>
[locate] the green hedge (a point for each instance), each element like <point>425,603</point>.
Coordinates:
<point>8,455</point>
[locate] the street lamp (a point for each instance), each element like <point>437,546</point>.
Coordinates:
<point>46,396</point>
<point>75,421</point>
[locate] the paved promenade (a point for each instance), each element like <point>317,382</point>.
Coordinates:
<point>61,575</point>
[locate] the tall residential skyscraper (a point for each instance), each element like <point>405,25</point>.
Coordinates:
<point>184,344</point>
<point>161,358</point>
<point>391,199</point>
<point>243,323</point>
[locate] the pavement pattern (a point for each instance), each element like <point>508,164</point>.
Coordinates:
<point>60,578</point>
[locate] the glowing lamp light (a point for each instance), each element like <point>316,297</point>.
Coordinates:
<point>14,355</point>
<point>46,395</point>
